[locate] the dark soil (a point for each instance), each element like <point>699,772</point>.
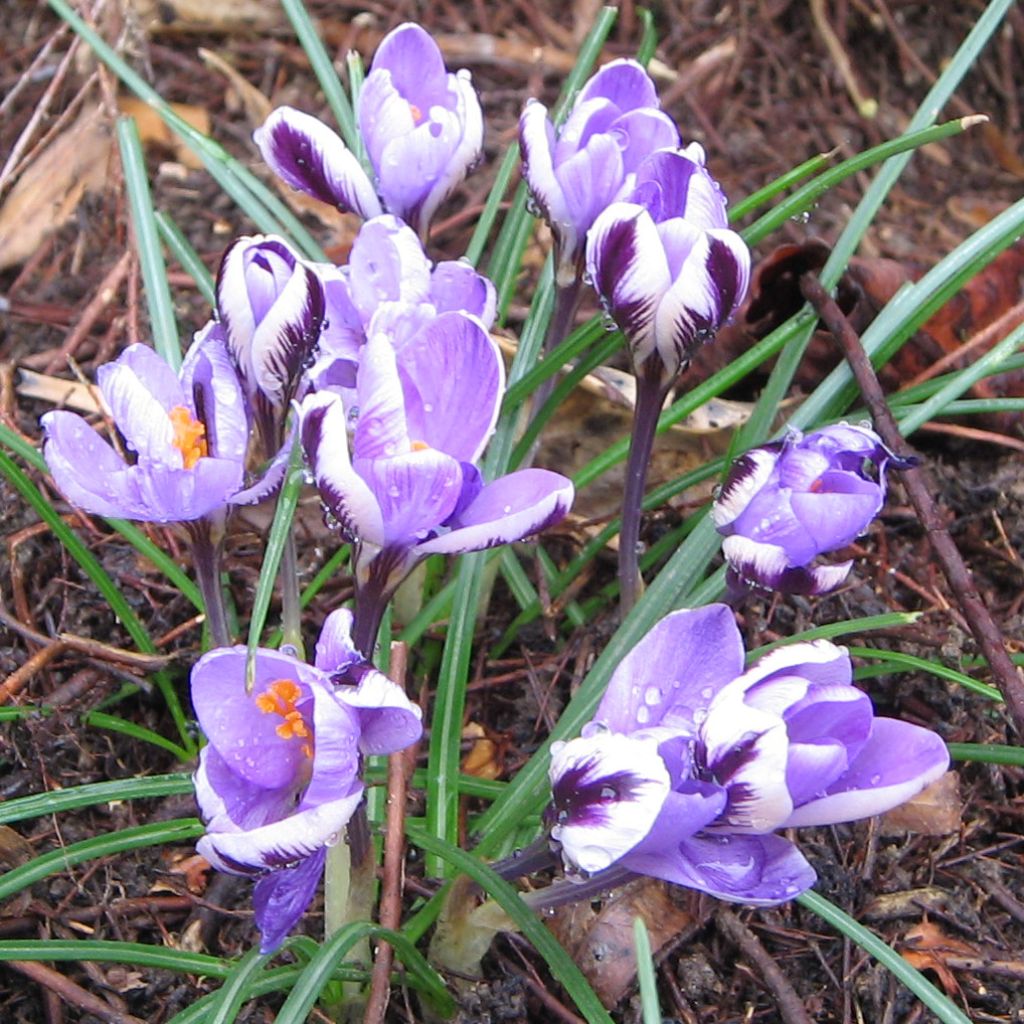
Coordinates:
<point>757,85</point>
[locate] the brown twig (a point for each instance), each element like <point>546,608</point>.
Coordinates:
<point>791,1006</point>
<point>71,993</point>
<point>920,488</point>
<point>390,915</point>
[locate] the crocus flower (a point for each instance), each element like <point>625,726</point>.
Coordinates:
<point>575,172</point>
<point>388,276</point>
<point>422,127</point>
<point>789,501</point>
<point>280,776</point>
<point>691,764</point>
<point>405,485</point>
<point>271,306</point>
<point>185,437</point>
<point>665,264</point>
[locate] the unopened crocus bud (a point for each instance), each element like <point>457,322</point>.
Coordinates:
<point>578,170</point>
<point>665,264</point>
<point>787,502</point>
<point>271,306</point>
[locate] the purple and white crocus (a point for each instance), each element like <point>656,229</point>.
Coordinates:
<point>691,764</point>
<point>578,170</point>
<point>271,307</point>
<point>667,267</point>
<point>787,502</point>
<point>422,128</point>
<point>185,436</point>
<point>405,484</point>
<point>389,279</point>
<point>280,776</point>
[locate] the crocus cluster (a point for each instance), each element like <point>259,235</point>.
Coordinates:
<point>280,776</point>
<point>691,764</point>
<point>787,502</point>
<point>421,125</point>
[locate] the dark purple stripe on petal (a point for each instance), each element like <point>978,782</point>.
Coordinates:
<point>618,253</point>
<point>580,795</point>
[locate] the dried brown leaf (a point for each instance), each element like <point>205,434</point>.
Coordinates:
<point>153,129</point>
<point>601,941</point>
<point>49,190</point>
<point>935,811</point>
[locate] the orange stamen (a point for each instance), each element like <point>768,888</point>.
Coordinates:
<point>420,446</point>
<point>189,436</point>
<point>280,698</point>
<point>816,486</point>
<point>417,114</point>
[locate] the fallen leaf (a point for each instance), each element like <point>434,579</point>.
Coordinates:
<point>935,811</point>
<point>927,947</point>
<point>601,941</point>
<point>15,850</point>
<point>49,190</point>
<point>67,394</point>
<point>482,759</point>
<point>227,16</point>
<point>890,906</point>
<point>153,130</point>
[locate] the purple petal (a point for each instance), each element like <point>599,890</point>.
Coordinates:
<point>607,791</point>
<point>215,393</point>
<point>280,898</point>
<point>157,376</point>
<point>895,764</point>
<point>311,158</point>
<point>381,428</point>
<point>624,82</point>
<point>833,520</point>
<point>334,648</point>
<point>346,495</point>
<point>507,510</point>
<point>627,264</point>
<point>537,144</point>
<point>591,179</point>
<point>674,185</point>
<point>759,870</point>
<point>414,62</point>
<point>388,720</point>
<point>452,379</point>
<point>673,673</point>
<point>685,812</point>
<point>272,476</point>
<point>387,264</point>
<point>767,566</point>
<point>415,492</point>
<point>748,474</point>
<point>457,288</point>
<point>640,133</point>
<point>140,417</point>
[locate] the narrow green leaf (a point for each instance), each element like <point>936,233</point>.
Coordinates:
<point>182,251</point>
<point>323,68</point>
<point>100,720</point>
<point>178,831</point>
<point>59,800</point>
<point>235,989</point>
<point>986,753</point>
<point>896,661</point>
<point>166,339</point>
<point>561,965</point>
<point>738,210</point>
<point>650,1008</point>
<point>947,1011</point>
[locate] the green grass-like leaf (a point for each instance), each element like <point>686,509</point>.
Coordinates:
<point>947,1011</point>
<point>561,965</point>
<point>164,832</point>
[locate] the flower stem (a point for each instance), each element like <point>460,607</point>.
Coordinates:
<point>651,390</point>
<point>567,298</point>
<point>206,552</point>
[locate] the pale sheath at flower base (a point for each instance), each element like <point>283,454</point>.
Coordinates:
<point>185,437</point>
<point>664,262</point>
<point>691,764</point>
<point>422,128</point>
<point>280,776</point>
<point>574,172</point>
<point>787,502</point>
<point>389,280</point>
<point>405,484</point>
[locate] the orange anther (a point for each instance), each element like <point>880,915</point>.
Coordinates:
<point>417,114</point>
<point>189,436</point>
<point>420,446</point>
<point>280,698</point>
